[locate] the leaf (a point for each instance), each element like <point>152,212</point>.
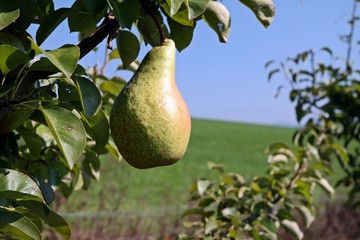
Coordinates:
<point>99,130</point>
<point>182,35</point>
<point>81,22</point>
<point>51,218</point>
<point>94,7</point>
<point>264,10</point>
<point>180,16</point>
<point>32,140</point>
<point>90,96</point>
<point>113,86</point>
<point>50,23</point>
<point>196,7</point>
<point>128,46</point>
<point>18,226</point>
<point>125,11</point>
<point>11,57</point>
<point>14,184</point>
<point>9,12</point>
<point>210,224</point>
<point>307,215</point>
<point>202,186</point>
<point>68,132</point>
<point>175,6</point>
<point>326,185</point>
<point>341,152</point>
<point>64,58</point>
<point>293,228</point>
<point>217,17</point>
<point>218,167</point>
<point>149,30</point>
<point>272,73</point>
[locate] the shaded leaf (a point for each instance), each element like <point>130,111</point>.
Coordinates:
<point>182,35</point>
<point>51,218</point>
<point>32,140</point>
<point>11,57</point>
<point>125,11</point>
<point>90,96</point>
<point>50,23</point>
<point>68,132</point>
<point>9,12</point>
<point>94,7</point>
<point>128,46</point>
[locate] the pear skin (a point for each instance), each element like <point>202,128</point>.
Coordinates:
<point>149,120</point>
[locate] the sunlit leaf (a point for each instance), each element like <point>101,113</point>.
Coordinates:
<point>293,228</point>
<point>202,186</point>
<point>18,226</point>
<point>217,17</point>
<point>14,184</point>
<point>68,132</point>
<point>264,10</point>
<point>11,57</point>
<point>196,7</point>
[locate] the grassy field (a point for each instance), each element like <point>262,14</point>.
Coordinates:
<point>130,204</point>
<point>240,147</point>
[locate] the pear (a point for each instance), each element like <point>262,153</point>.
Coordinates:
<point>149,120</point>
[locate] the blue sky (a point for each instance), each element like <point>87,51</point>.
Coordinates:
<point>229,81</point>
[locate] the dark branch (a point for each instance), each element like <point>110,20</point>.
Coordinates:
<point>106,29</point>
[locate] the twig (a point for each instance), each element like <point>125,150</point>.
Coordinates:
<point>350,37</point>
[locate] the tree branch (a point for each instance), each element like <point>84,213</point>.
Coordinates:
<point>106,29</point>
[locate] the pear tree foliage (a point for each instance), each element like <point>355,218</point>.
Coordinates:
<point>54,112</point>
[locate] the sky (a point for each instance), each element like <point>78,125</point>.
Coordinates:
<point>228,81</point>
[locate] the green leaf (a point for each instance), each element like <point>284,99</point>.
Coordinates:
<point>125,11</point>
<point>341,152</point>
<point>18,226</point>
<point>94,7</point>
<point>32,140</point>
<point>81,22</point>
<point>181,34</point>
<point>90,96</point>
<point>128,46</point>
<point>14,184</point>
<point>175,6</point>
<point>64,58</point>
<point>68,132</point>
<point>149,31</point>
<point>99,130</point>
<point>293,228</point>
<point>181,15</point>
<point>217,17</point>
<point>218,167</point>
<point>113,86</point>
<point>50,23</point>
<point>210,224</point>
<point>9,12</point>
<point>11,57</point>
<point>196,7</point>
<point>51,218</point>
<point>114,54</point>
<point>264,10</point>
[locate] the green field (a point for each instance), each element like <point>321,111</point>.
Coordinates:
<point>240,147</point>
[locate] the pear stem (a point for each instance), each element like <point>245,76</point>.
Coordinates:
<point>148,9</point>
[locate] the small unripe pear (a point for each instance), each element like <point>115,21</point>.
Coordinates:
<point>149,120</point>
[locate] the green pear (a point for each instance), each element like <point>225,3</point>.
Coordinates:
<point>149,120</point>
